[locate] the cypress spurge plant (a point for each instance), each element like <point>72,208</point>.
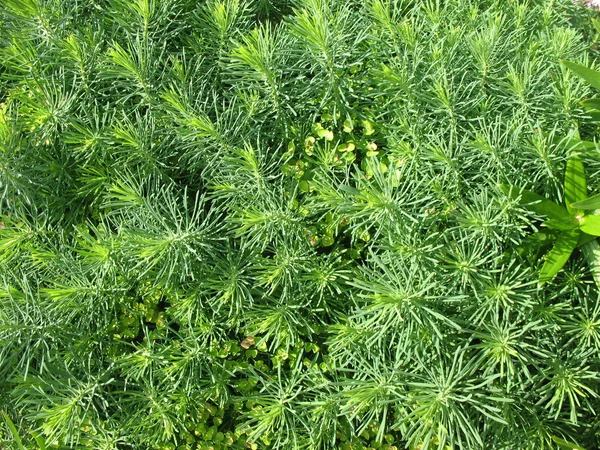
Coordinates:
<point>262,224</point>
<point>576,223</point>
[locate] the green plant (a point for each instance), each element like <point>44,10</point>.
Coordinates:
<point>574,227</point>
<point>258,224</point>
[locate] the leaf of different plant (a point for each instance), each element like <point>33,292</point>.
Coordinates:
<point>594,116</point>
<point>584,238</point>
<point>559,255</point>
<point>575,185</point>
<point>575,145</point>
<point>591,253</point>
<point>591,104</point>
<point>39,440</point>
<point>566,224</point>
<point>565,445</point>
<point>13,431</point>
<point>589,75</point>
<point>535,202</point>
<point>537,244</point>
<point>592,202</point>
<point>591,225</point>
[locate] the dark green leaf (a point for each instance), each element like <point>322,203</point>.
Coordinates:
<point>592,202</point>
<point>594,116</point>
<point>584,238</point>
<point>589,75</point>
<point>591,225</point>
<point>535,202</point>
<point>575,185</point>
<point>559,255</point>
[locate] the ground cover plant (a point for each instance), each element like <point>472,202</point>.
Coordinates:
<point>302,224</point>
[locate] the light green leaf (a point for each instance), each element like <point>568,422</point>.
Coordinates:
<point>589,75</point>
<point>13,431</point>
<point>575,185</point>
<point>591,104</point>
<point>590,225</point>
<point>38,439</point>
<point>571,142</point>
<point>591,253</point>
<point>535,202</point>
<point>592,202</point>
<point>594,116</point>
<point>559,255</point>
<point>573,145</point>
<point>565,445</point>
<point>566,224</point>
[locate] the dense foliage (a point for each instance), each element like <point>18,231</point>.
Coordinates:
<point>278,224</point>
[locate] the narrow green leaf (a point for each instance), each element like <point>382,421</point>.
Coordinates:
<point>590,225</point>
<point>39,440</point>
<point>13,431</point>
<point>535,202</point>
<point>566,224</point>
<point>592,202</point>
<point>589,75</point>
<point>559,255</point>
<point>575,185</point>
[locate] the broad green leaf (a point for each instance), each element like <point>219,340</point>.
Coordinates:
<point>596,24</point>
<point>591,253</point>
<point>538,243</point>
<point>594,115</point>
<point>566,224</point>
<point>590,225</point>
<point>591,104</point>
<point>575,185</point>
<point>565,445</point>
<point>13,431</point>
<point>574,145</point>
<point>589,75</point>
<point>592,202</point>
<point>584,238</point>
<point>535,202</point>
<point>559,255</point>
